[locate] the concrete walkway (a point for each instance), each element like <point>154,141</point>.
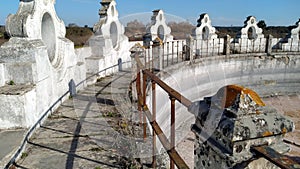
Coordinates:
<point>10,140</point>
<point>95,129</point>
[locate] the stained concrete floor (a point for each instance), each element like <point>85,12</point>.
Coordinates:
<point>9,142</point>
<point>290,107</point>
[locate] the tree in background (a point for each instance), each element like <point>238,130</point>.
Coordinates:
<point>262,24</point>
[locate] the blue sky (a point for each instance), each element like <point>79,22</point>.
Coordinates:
<point>222,12</point>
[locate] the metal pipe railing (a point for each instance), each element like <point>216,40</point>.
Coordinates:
<point>174,95</point>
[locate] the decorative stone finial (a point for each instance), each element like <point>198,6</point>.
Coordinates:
<point>33,16</point>
<point>204,30</point>
<point>295,32</point>
<point>37,19</point>
<point>108,14</point>
<point>256,32</point>
<point>158,27</point>
<point>109,43</point>
<point>109,26</point>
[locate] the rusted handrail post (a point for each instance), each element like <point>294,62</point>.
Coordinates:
<point>139,94</point>
<point>172,129</point>
<point>144,103</point>
<point>154,119</point>
<point>172,52</point>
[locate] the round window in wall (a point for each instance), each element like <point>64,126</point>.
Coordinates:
<point>48,36</point>
<point>161,32</point>
<point>114,34</point>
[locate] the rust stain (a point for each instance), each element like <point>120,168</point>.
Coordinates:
<point>233,90</point>
<point>159,41</point>
<point>284,130</point>
<point>267,133</point>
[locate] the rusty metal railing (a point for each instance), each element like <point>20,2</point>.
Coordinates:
<point>143,75</point>
<point>276,158</point>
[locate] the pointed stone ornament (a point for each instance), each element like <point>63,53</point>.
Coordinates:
<point>296,31</point>
<point>206,39</point>
<point>250,38</point>
<point>292,41</point>
<point>256,32</point>
<point>159,27</point>
<point>37,19</point>
<point>109,43</point>
<point>205,30</point>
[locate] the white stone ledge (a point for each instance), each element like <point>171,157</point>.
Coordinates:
<point>16,102</point>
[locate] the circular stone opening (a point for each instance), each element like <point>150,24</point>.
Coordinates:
<point>48,35</point>
<point>205,33</point>
<point>251,33</point>
<point>161,32</point>
<point>114,34</point>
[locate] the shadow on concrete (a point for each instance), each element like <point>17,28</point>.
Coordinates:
<point>71,155</point>
<point>64,132</point>
<point>98,100</point>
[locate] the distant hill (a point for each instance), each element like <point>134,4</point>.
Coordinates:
<point>79,35</point>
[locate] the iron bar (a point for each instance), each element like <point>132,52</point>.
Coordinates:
<point>168,48</point>
<point>177,51</point>
<point>139,94</point>
<point>163,55</point>
<point>276,158</point>
<point>144,103</point>
<point>213,48</point>
<point>172,128</point>
<point>172,52</point>
<point>153,119</point>
<point>182,44</point>
<point>173,154</point>
<point>172,93</point>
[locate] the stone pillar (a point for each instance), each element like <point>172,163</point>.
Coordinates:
<point>157,54</point>
<point>227,45</point>
<point>139,51</point>
<point>229,123</point>
<point>269,44</point>
<point>189,48</point>
<point>147,38</point>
